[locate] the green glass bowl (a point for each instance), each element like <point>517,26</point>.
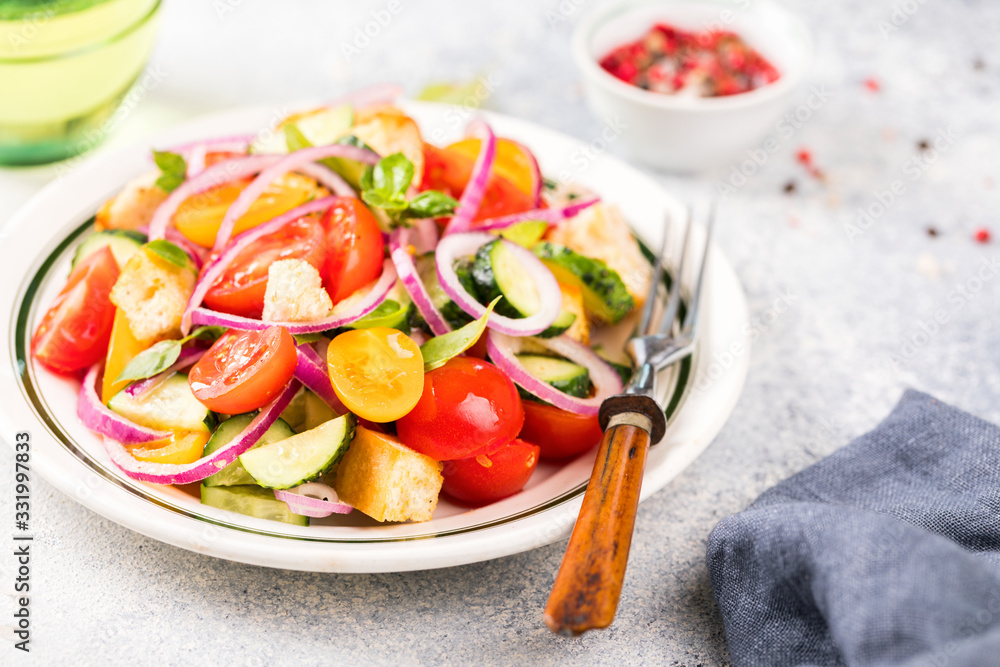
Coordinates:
<point>70,72</point>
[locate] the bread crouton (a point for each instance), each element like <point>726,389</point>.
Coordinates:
<point>295,293</point>
<point>134,206</point>
<point>388,130</point>
<point>153,293</point>
<point>600,232</point>
<point>572,300</point>
<point>387,480</point>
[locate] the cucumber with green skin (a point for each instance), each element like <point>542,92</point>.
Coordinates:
<point>604,294</point>
<point>251,501</point>
<point>566,376</point>
<point>497,272</point>
<point>427,270</point>
<point>170,405</point>
<point>235,474</point>
<point>302,457</point>
<point>123,243</point>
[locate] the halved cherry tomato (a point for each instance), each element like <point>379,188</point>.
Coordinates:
<point>199,217</point>
<point>378,373</point>
<point>468,407</point>
<point>559,434</point>
<point>449,171</point>
<point>354,248</point>
<point>74,333</point>
<point>471,482</point>
<point>513,161</point>
<point>244,370</point>
<point>240,290</point>
<point>182,447</point>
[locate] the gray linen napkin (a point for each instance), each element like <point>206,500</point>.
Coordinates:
<point>887,552</point>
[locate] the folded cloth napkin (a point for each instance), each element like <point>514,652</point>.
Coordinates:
<point>887,552</point>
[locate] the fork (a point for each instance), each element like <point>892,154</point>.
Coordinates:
<point>589,582</point>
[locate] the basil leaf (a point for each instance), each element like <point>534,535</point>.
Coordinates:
<point>392,176</point>
<point>173,170</point>
<point>151,361</point>
<point>431,204</point>
<point>168,251</point>
<point>211,333</point>
<point>375,198</point>
<point>301,339</point>
<point>438,350</point>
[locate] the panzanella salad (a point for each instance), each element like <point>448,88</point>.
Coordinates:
<point>345,317</point>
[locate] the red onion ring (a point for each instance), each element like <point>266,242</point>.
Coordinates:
<point>188,357</point>
<point>549,295</point>
<point>174,473</point>
<point>310,370</point>
<point>408,275</point>
<point>503,350</point>
<point>100,419</point>
<point>328,178</point>
<point>277,169</point>
<point>472,195</point>
<point>356,306</point>
<point>550,215</point>
<point>302,500</point>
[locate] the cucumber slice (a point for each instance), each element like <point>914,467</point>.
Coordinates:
<point>604,293</point>
<point>316,412</point>
<point>564,375</point>
<point>123,244</point>
<point>318,127</point>
<point>295,414</point>
<point>561,324</point>
<point>526,233</point>
<point>251,501</point>
<point>302,457</point>
<point>171,405</point>
<point>235,474</point>
<point>497,272</point>
<point>427,270</point>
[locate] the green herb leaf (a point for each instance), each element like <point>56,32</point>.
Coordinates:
<point>294,138</point>
<point>375,198</point>
<point>431,204</point>
<point>211,333</point>
<point>152,361</point>
<point>438,350</point>
<point>173,170</point>
<point>301,339</point>
<point>169,251</point>
<point>393,175</point>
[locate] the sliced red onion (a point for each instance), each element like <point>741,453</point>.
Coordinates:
<point>100,419</point>
<point>401,258</point>
<point>217,266</point>
<point>354,307</point>
<point>283,165</point>
<point>188,357</point>
<point>214,176</point>
<point>472,195</point>
<point>174,473</point>
<point>328,178</point>
<point>313,499</point>
<point>549,215</point>
<point>455,246</point>
<point>380,93</point>
<point>196,160</point>
<point>503,352</point>
<point>196,253</point>
<point>424,235</point>
<point>310,370</point>
<point>536,174</point>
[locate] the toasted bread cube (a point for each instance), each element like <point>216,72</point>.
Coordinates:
<point>600,232</point>
<point>153,293</point>
<point>388,130</point>
<point>295,293</point>
<point>387,480</point>
<point>134,206</point>
<point>572,300</point>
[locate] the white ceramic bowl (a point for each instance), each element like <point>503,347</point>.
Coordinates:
<point>686,133</point>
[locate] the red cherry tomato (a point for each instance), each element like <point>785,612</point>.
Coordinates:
<point>76,330</point>
<point>449,171</point>
<point>469,481</point>
<point>468,407</point>
<point>240,290</point>
<point>559,434</point>
<point>355,249</point>
<point>244,370</point>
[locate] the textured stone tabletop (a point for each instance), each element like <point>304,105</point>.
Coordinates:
<point>864,293</point>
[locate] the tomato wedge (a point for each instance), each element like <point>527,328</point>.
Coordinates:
<point>354,248</point>
<point>240,290</point>
<point>513,161</point>
<point>559,434</point>
<point>75,331</point>
<point>471,482</point>
<point>244,370</point>
<point>378,373</point>
<point>449,171</point>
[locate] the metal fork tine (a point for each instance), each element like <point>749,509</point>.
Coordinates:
<point>646,322</point>
<point>691,317</point>
<point>674,301</point>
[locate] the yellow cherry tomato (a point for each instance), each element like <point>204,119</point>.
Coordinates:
<point>199,217</point>
<point>121,350</point>
<point>183,447</point>
<point>513,161</point>
<point>378,373</point>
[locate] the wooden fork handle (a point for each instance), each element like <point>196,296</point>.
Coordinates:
<point>589,582</point>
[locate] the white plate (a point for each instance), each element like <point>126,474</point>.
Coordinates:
<point>34,261</point>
